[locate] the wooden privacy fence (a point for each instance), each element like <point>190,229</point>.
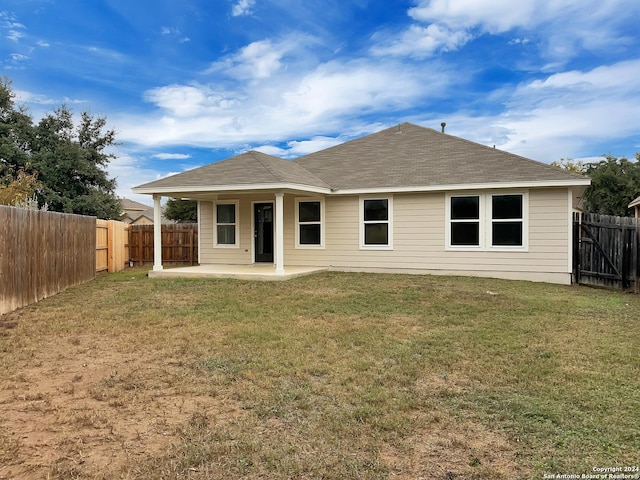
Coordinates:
<point>606,251</point>
<point>42,253</point>
<point>112,245</point>
<point>179,243</point>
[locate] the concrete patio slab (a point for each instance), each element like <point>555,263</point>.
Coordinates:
<point>242,272</point>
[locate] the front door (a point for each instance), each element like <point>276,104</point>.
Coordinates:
<point>263,232</point>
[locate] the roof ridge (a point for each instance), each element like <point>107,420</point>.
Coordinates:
<point>291,162</point>
<point>347,142</point>
<point>264,164</point>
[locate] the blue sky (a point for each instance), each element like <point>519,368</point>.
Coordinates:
<point>186,83</point>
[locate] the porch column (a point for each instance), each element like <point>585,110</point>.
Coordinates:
<point>279,220</point>
<point>157,233</point>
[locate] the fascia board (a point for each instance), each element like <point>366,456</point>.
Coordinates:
<point>168,191</point>
<point>229,188</point>
<point>465,186</point>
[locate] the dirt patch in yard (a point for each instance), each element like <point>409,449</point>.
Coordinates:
<point>85,406</point>
<point>451,448</point>
<point>81,409</point>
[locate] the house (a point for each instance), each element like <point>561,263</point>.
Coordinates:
<point>636,205</point>
<point>136,213</point>
<point>407,199</point>
<point>132,210</point>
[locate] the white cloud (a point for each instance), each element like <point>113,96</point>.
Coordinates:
<point>563,114</point>
<point>106,54</point>
<point>422,41</point>
<point>264,58</point>
<point>9,23</point>
<point>297,148</point>
<point>295,103</point>
<point>128,171</point>
<point>564,29</point>
<point>171,156</point>
<point>174,33</point>
<point>14,35</point>
<point>623,77</point>
<point>258,60</point>
<point>492,15</point>
<point>189,100</point>
<point>18,57</point>
<point>356,87</point>
<point>42,43</point>
<point>243,8</point>
<point>37,99</point>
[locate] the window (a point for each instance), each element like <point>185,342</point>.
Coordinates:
<point>226,231</point>
<point>506,220</point>
<point>487,222</point>
<point>376,230</point>
<point>309,216</point>
<point>465,221</point>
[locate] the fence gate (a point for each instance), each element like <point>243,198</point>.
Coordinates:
<point>606,251</point>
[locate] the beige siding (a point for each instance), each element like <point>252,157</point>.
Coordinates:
<point>419,225</point>
<point>419,240</point>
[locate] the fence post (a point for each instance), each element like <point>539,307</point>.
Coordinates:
<point>636,251</point>
<point>191,246</point>
<point>576,247</point>
<point>625,258</point>
<point>110,247</point>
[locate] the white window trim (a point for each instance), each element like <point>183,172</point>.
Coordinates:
<point>482,226</point>
<point>322,222</point>
<point>486,223</point>
<point>215,223</point>
<point>389,221</point>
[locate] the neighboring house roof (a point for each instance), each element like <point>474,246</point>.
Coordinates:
<point>635,203</point>
<point>403,157</point>
<point>134,217</point>
<point>133,205</point>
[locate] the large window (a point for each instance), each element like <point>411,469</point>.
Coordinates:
<point>226,231</point>
<point>309,230</point>
<point>487,222</point>
<point>465,221</point>
<point>506,220</point>
<point>376,229</point>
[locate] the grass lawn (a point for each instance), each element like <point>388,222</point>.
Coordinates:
<point>334,375</point>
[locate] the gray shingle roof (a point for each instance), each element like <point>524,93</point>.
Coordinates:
<point>128,204</point>
<point>409,155</point>
<point>403,156</point>
<point>250,168</point>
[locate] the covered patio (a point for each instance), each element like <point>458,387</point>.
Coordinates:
<point>265,272</point>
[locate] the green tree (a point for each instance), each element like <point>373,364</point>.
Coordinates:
<point>615,182</point>
<point>16,134</point>
<point>72,162</point>
<point>69,161</point>
<point>183,211</point>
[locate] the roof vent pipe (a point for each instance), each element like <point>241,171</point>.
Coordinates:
<point>443,124</point>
